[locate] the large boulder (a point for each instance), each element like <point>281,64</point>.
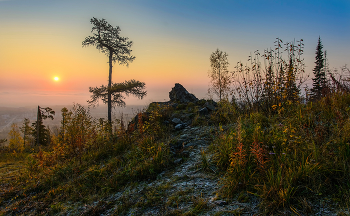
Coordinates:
<point>181,95</point>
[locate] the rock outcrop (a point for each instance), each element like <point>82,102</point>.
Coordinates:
<point>181,95</point>
<point>185,106</point>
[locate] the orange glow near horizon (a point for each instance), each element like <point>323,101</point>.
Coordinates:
<point>77,68</point>
<point>171,45</point>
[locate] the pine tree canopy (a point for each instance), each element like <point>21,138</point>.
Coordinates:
<point>132,87</point>
<point>106,38</point>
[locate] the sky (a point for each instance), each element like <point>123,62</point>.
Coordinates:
<point>172,43</point>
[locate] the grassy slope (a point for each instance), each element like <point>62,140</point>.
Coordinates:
<point>294,158</point>
<point>291,161</point>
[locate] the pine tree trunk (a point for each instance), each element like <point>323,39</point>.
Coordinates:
<point>63,124</point>
<point>109,91</point>
<point>37,126</point>
<point>220,84</point>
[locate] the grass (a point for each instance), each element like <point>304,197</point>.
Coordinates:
<point>181,196</point>
<point>199,205</point>
<point>288,158</point>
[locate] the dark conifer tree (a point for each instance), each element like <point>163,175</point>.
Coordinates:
<point>40,132</point>
<point>319,81</point>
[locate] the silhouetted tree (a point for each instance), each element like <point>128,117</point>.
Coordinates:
<point>26,129</point>
<point>117,90</point>
<point>219,75</point>
<point>319,81</point>
<point>40,132</point>
<point>106,38</point>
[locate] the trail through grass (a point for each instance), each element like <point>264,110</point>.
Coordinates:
<point>10,170</point>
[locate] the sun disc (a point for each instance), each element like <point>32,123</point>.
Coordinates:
<point>56,78</point>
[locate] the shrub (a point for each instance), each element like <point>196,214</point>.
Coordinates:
<point>225,114</point>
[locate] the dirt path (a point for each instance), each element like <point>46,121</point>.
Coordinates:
<point>191,187</point>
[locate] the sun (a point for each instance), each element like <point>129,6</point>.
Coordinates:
<point>56,78</point>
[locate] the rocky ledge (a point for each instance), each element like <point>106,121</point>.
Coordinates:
<point>185,108</point>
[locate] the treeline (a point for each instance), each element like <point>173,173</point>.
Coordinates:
<point>27,136</point>
<point>270,81</point>
<point>77,129</point>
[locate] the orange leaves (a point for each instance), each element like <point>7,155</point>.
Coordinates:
<point>260,155</point>
<point>239,157</point>
<point>140,122</point>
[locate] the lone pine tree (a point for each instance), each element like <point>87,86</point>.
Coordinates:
<point>106,38</point>
<point>319,81</point>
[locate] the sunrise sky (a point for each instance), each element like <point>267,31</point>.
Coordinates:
<point>173,39</point>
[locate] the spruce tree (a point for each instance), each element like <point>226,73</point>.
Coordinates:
<point>40,132</point>
<point>319,81</point>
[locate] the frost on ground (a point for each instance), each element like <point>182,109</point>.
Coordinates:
<point>189,188</point>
